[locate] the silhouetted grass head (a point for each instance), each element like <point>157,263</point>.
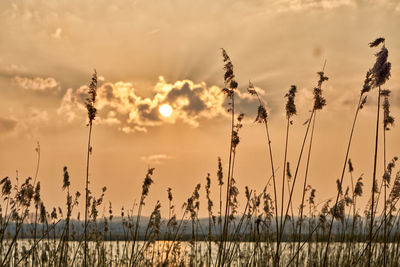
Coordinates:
<point>235,132</point>
<point>338,210</point>
<point>381,68</point>
<point>229,76</point>
<point>36,197</point>
<point>388,120</point>
<point>146,184</point>
<point>288,172</point>
<point>262,114</point>
<point>368,82</point>
<point>91,99</point>
<point>6,188</point>
<point>220,173</point>
<point>66,181</point>
<point>210,203</point>
<point>169,191</point>
<point>319,100</point>
<point>42,214</point>
<point>389,169</point>
<point>377,42</point>
<point>311,199</point>
<point>193,204</point>
<point>25,193</point>
<point>351,169</point>
<point>290,106</point>
<point>395,193</point>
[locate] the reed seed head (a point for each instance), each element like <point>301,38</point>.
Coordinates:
<point>377,42</point>
<point>220,173</point>
<point>66,182</point>
<point>91,99</point>
<point>381,69</point>
<point>290,106</point>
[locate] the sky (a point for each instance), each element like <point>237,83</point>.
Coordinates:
<point>150,53</point>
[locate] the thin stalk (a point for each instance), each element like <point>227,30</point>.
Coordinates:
<point>384,202</point>
<point>34,236</point>
<point>296,172</point>
<point>273,181</point>
<point>221,249</point>
<point>135,237</point>
<point>341,178</point>
<point>284,167</point>
<point>374,176</point>
<point>87,194</point>
<point>305,184</point>
<point>275,196</point>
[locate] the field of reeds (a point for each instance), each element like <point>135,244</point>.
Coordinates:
<point>267,231</point>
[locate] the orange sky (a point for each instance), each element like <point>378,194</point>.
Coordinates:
<point>148,53</point>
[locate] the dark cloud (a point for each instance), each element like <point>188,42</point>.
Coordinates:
<point>193,96</point>
<point>7,125</point>
<point>148,113</point>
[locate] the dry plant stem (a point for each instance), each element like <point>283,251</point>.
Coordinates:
<point>374,177</point>
<point>237,233</point>
<point>305,184</point>
<point>34,245</point>
<point>220,207</point>
<point>135,237</point>
<point>385,196</point>
<point>175,236</point>
<point>295,175</point>
<point>221,250</point>
<point>291,210</point>
<point>302,245</point>
<point>341,178</point>
<point>392,208</point>
<point>36,208</point>
<point>34,235</point>
<point>353,209</point>
<point>284,168</point>
<point>225,251</point>
<point>87,194</point>
<point>14,240</point>
<point>275,196</point>
<point>274,184</point>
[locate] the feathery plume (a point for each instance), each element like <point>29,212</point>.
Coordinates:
<point>91,99</point>
<point>358,188</point>
<point>351,169</point>
<point>388,119</point>
<point>377,42</point>
<point>290,106</point>
<point>66,181</point>
<point>146,184</point>
<point>381,68</point>
<point>220,173</point>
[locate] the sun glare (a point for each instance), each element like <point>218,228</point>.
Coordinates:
<point>165,110</point>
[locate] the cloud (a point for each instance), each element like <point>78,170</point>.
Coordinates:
<point>300,5</point>
<point>57,34</point>
<point>7,125</point>
<point>155,159</point>
<point>25,122</point>
<point>36,84</point>
<point>120,105</point>
<point>71,104</point>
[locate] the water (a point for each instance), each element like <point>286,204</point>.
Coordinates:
<point>118,253</point>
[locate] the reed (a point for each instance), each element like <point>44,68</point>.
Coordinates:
<point>233,234</point>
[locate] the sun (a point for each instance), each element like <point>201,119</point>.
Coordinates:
<point>165,110</point>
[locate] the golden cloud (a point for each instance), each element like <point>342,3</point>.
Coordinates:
<point>120,105</point>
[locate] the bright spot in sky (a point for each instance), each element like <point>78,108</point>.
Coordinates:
<point>165,110</point>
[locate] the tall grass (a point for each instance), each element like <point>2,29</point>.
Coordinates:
<point>90,101</point>
<point>330,232</point>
